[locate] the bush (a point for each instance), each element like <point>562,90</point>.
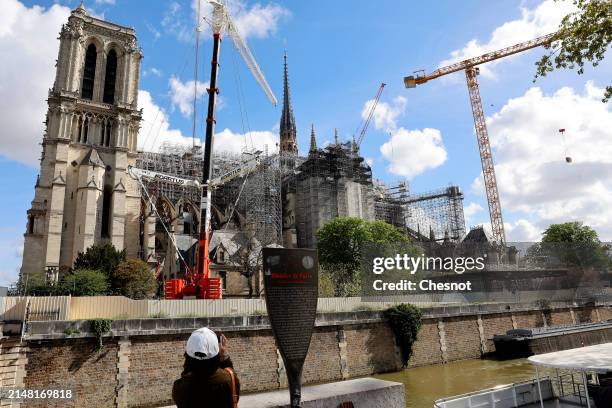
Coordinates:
<point>405,321</point>
<point>134,279</point>
<point>85,282</point>
<point>100,327</point>
<point>101,257</point>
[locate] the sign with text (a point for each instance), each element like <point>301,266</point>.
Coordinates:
<point>291,285</point>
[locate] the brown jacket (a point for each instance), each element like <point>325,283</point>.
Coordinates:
<point>205,390</point>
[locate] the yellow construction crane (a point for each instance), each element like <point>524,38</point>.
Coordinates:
<point>486,159</point>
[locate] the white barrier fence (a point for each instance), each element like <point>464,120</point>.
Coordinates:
<point>41,308</point>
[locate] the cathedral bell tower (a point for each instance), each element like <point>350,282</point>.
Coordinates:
<point>83,194</point>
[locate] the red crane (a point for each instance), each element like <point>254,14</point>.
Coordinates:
<point>482,135</point>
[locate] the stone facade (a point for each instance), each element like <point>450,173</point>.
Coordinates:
<point>83,194</point>
<point>135,369</point>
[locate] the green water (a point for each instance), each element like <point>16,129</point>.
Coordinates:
<point>424,385</point>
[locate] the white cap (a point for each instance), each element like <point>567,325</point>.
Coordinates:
<point>202,344</point>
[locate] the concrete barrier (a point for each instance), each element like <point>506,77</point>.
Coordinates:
<point>362,392</point>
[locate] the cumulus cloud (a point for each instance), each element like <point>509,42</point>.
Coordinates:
<point>28,46</point>
<point>533,23</point>
<point>156,131</point>
<point>522,231</point>
<point>228,141</point>
<point>181,94</point>
<point>532,174</point>
<point>424,144</point>
<point>256,21</point>
<point>470,210</point>
<point>386,114</point>
<point>411,152</point>
<point>155,127</point>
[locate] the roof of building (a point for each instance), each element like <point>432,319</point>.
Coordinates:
<point>596,358</point>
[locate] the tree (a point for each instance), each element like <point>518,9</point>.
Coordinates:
<point>133,278</point>
<point>340,240</point>
<point>573,232</point>
<point>583,36</point>
<point>340,243</point>
<point>84,282</point>
<point>102,257</point>
<point>575,244</point>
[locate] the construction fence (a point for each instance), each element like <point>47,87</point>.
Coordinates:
<point>46,308</point>
<point>119,307</point>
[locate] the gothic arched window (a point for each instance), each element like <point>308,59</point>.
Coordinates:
<point>89,72</point>
<point>110,77</point>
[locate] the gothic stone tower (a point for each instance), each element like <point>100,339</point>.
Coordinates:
<point>83,194</point>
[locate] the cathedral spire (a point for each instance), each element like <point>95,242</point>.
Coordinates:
<point>313,141</point>
<point>288,133</point>
<point>336,138</point>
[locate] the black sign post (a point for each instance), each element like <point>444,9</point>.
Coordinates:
<point>291,284</point>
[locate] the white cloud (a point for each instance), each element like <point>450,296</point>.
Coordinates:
<point>386,114</point>
<point>228,141</point>
<point>155,131</point>
<point>532,175</point>
<point>522,231</point>
<point>257,21</point>
<point>152,71</point>
<point>181,94</point>
<point>533,23</point>
<point>470,210</point>
<point>155,126</point>
<point>28,45</point>
<point>173,22</point>
<point>424,146</point>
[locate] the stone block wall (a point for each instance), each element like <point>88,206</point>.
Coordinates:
<point>138,367</point>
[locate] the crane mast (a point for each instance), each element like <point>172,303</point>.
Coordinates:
<point>482,134</point>
<point>221,22</point>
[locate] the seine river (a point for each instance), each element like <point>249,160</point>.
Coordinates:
<point>426,384</point>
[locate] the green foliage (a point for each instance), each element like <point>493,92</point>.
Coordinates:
<point>573,232</point>
<point>340,243</point>
<point>100,327</point>
<point>134,279</point>
<point>583,36</point>
<point>574,244</point>
<point>405,321</point>
<point>327,286</point>
<point>84,282</point>
<point>341,239</point>
<point>102,257</point>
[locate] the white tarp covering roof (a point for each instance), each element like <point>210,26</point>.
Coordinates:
<point>596,358</point>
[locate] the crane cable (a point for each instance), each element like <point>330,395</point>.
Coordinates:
<point>172,238</point>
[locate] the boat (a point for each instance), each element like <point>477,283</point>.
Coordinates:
<point>583,378</point>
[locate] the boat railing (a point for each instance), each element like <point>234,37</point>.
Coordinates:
<point>503,396</point>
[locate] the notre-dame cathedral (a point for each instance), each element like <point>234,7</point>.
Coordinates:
<point>83,193</point>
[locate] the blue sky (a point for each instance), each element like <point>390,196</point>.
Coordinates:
<point>339,52</point>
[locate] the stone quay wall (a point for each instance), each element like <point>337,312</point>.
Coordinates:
<point>140,359</point>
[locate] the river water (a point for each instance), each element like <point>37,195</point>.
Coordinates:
<point>426,384</point>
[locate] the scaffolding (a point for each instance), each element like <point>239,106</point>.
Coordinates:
<point>438,214</point>
<point>329,183</point>
<point>390,203</point>
<point>254,198</point>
